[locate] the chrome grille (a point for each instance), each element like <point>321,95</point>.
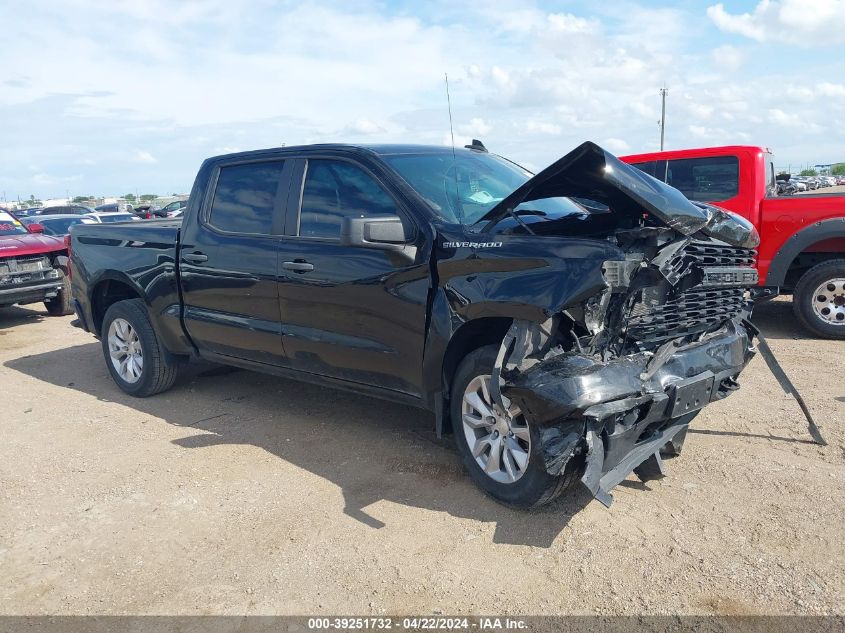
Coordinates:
<point>659,316</point>
<point>710,254</point>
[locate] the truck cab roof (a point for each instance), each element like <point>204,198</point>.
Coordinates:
<point>697,152</point>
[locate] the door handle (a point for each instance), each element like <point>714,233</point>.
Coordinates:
<point>195,258</point>
<point>298,266</point>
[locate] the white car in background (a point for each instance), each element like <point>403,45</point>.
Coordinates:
<point>107,217</point>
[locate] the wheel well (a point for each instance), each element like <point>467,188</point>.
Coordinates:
<point>468,338</point>
<point>802,263</point>
<point>106,293</point>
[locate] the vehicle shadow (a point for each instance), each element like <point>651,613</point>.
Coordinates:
<point>373,450</point>
<point>761,436</point>
<point>16,315</point>
<point>776,320</point>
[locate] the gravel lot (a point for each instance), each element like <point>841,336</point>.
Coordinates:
<point>242,493</point>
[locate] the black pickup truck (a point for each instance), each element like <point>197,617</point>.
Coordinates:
<point>566,326</point>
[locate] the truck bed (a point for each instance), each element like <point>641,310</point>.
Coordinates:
<point>146,252</point>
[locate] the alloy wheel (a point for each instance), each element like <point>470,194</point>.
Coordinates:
<point>499,439</point>
<point>127,356</point>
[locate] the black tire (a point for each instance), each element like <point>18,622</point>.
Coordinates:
<point>61,305</point>
<point>535,487</point>
<point>160,368</point>
<point>804,296</point>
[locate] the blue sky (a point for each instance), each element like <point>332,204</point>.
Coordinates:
<point>131,95</point>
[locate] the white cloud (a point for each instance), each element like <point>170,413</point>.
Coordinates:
<point>363,127</point>
<point>745,24</point>
<point>531,83</point>
<point>827,89</point>
<point>705,135</point>
<point>543,127</point>
<point>144,157</point>
<point>728,57</point>
<point>804,23</point>
<point>47,179</point>
<point>476,127</point>
<point>616,145</point>
<point>568,24</point>
<point>700,110</point>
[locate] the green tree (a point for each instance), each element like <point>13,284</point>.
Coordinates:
<point>838,169</point>
<point>808,172</point>
<point>82,198</point>
<point>146,197</point>
<point>129,197</point>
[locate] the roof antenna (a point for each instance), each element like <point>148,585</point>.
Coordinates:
<point>449,105</point>
<point>454,156</point>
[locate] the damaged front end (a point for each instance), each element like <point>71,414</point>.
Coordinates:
<point>617,379</point>
<point>613,381</point>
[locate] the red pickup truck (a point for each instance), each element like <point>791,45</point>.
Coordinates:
<point>802,238</point>
<point>33,267</point>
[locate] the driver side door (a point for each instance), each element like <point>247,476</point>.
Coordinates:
<point>349,313</point>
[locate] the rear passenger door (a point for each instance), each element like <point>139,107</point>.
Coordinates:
<point>229,262</point>
<point>350,313</point>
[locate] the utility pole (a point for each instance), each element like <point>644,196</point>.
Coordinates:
<point>663,92</point>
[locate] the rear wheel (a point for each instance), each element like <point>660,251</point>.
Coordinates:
<point>134,356</point>
<point>819,299</point>
<point>501,449</point>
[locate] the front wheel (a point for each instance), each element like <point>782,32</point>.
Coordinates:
<point>819,299</point>
<point>134,356</point>
<point>501,449</point>
<point>60,305</point>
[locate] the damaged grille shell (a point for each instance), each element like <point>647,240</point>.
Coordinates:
<point>663,312</point>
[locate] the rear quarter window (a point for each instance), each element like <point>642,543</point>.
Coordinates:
<point>245,196</point>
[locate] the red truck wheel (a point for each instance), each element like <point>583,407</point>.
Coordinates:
<point>60,305</point>
<point>819,299</point>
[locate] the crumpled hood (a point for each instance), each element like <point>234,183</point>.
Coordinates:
<point>31,244</point>
<point>591,172</point>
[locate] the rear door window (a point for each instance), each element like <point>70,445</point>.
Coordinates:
<point>245,197</point>
<point>709,179</point>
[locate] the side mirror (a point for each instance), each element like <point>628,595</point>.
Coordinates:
<point>384,232</point>
<point>35,228</point>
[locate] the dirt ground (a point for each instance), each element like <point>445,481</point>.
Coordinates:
<point>241,493</point>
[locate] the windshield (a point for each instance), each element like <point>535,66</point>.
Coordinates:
<point>461,189</point>
<point>10,225</point>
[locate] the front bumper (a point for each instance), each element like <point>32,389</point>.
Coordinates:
<point>29,293</point>
<point>619,415</point>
